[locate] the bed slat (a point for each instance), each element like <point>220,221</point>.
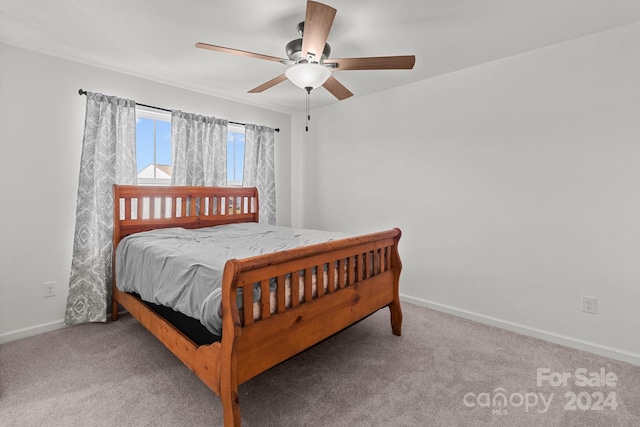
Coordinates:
<point>281,293</point>
<point>247,305</point>
<point>295,289</point>
<point>351,270</point>
<point>320,280</point>
<point>265,300</point>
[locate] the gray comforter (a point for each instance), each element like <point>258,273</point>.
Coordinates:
<point>182,269</point>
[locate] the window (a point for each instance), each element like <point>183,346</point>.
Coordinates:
<point>153,149</point>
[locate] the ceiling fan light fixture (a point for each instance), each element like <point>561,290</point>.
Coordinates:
<point>307,74</point>
<point>308,56</point>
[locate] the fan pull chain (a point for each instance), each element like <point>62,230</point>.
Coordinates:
<point>308,105</point>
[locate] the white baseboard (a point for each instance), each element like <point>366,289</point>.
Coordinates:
<point>566,341</point>
<point>33,330</point>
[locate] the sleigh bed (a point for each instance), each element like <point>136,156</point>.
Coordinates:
<point>273,305</point>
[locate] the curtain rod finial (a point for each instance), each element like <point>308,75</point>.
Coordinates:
<point>82,92</point>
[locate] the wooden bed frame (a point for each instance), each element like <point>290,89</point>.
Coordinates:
<point>368,271</point>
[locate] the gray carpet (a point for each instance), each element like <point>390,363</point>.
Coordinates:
<point>443,371</point>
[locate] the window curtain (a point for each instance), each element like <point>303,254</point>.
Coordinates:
<point>108,157</point>
<point>259,169</point>
<point>199,150</point>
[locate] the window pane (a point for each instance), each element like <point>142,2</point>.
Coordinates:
<point>153,147</point>
<point>235,157</point>
<point>144,143</point>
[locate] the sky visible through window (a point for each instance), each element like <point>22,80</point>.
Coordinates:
<point>235,158</point>
<point>153,146</point>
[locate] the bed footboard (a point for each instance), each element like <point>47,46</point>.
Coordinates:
<point>341,282</point>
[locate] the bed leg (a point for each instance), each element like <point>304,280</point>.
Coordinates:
<point>230,408</point>
<point>114,310</point>
<point>396,317</point>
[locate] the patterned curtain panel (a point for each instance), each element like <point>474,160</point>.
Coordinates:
<point>199,150</point>
<point>259,169</point>
<point>108,157</point>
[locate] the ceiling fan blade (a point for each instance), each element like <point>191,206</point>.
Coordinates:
<point>237,52</point>
<point>405,62</point>
<point>271,83</point>
<point>336,88</point>
<point>317,24</point>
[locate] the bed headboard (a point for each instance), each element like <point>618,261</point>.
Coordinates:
<point>141,207</point>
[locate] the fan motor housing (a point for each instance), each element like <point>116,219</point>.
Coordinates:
<point>294,47</point>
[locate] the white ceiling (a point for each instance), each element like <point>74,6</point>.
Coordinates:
<point>154,39</point>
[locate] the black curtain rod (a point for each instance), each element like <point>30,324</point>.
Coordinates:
<point>84,92</point>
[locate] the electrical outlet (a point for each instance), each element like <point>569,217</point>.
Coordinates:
<point>49,289</point>
<point>589,305</point>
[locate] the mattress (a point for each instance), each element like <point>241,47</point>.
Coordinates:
<point>182,269</point>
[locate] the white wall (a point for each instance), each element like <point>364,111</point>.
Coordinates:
<point>516,184</point>
<point>41,126</point>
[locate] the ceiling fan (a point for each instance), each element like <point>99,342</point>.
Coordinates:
<point>308,60</point>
